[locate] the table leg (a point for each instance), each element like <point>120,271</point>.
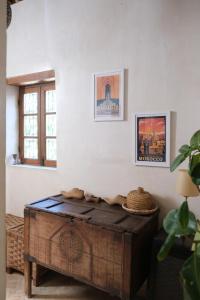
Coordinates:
<point>28,278</point>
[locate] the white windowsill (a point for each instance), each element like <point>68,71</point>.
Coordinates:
<point>33,167</point>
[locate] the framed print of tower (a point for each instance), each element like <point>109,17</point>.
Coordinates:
<point>109,96</point>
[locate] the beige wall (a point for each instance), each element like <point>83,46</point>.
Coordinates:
<point>2,144</point>
<point>157,41</point>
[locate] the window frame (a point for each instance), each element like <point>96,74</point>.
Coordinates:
<point>40,88</point>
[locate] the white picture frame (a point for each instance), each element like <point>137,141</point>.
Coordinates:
<point>152,139</point>
<point>108,94</point>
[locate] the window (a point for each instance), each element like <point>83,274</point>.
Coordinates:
<point>37,125</point>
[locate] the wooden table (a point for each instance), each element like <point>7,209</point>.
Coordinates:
<point>101,245</point>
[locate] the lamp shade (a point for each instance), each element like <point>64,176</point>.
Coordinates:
<point>185,186</point>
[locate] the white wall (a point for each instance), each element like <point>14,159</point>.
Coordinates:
<point>157,41</point>
<point>12,124</point>
<point>2,144</point>
<point>26,39</point>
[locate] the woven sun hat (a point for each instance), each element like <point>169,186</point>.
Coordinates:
<point>74,193</point>
<point>140,202</point>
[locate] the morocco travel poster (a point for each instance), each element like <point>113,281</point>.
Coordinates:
<point>151,144</point>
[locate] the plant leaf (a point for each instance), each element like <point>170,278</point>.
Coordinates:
<point>172,224</point>
<point>177,161</point>
<point>194,166</point>
<point>190,279</point>
<point>196,180</point>
<point>195,139</point>
<point>192,224</point>
<point>166,247</point>
<point>170,221</point>
<point>183,214</point>
<point>196,240</point>
<point>184,149</point>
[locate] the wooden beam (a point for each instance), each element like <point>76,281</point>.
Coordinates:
<point>14,1</point>
<point>33,78</point>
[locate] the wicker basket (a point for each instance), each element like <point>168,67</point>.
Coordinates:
<point>13,221</point>
<point>140,200</point>
<point>15,249</point>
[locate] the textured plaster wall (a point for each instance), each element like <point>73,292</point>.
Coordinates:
<point>157,41</point>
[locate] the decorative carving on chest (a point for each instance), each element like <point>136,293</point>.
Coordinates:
<point>71,245</point>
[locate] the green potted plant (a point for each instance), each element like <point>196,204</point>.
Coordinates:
<point>182,222</point>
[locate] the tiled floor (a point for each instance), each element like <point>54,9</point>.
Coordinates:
<point>56,287</point>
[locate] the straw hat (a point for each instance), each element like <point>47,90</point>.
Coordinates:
<point>74,193</point>
<point>119,199</point>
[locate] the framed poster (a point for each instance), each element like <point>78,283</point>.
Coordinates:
<point>152,134</point>
<point>109,96</point>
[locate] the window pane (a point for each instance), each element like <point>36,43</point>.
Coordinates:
<point>30,103</point>
<point>50,125</point>
<point>31,148</point>
<point>51,101</point>
<point>51,149</point>
<point>30,126</point>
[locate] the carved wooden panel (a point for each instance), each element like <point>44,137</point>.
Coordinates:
<point>77,248</point>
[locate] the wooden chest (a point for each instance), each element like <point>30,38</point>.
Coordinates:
<point>98,244</point>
